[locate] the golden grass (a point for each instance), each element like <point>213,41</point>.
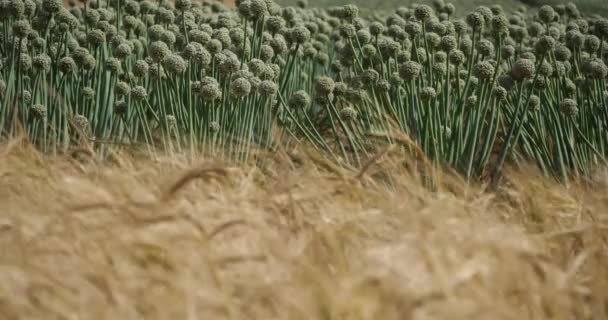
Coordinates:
<point>142,239</point>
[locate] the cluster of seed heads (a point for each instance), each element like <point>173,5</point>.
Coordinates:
<point>130,70</point>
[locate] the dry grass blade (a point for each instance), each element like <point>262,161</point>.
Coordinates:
<point>191,175</point>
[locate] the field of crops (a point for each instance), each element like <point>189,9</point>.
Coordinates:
<point>185,160</point>
<point>470,94</point>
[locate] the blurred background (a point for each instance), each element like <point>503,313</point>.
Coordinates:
<point>462,6</point>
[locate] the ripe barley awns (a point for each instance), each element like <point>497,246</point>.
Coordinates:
<point>473,93</point>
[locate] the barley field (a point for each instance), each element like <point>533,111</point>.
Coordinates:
<point>194,160</point>
<point>134,238</point>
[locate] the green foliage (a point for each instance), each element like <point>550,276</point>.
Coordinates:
<point>472,94</point>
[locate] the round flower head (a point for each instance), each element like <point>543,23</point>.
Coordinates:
<point>38,111</point>
<point>466,44</point>
<point>199,36</point>
<point>592,43</point>
<point>42,62</point>
<point>122,89</point>
<point>562,53</point>
<point>387,46</point>
<point>456,57</point>
<point>546,14</point>
<point>460,26</point>
<point>171,121</point>
<point>560,70</point>
<point>483,70</point>
<point>324,86</point>
<point>132,7</point>
<point>237,36</point>
<point>475,20</point>
<point>229,65</point>
<point>158,50</point>
<point>437,26</point>
<point>534,103</point>
<point>528,55</point>
<point>506,81</point>
<point>210,91</point>
<point>51,6</point>
<point>174,64</point>
<point>25,62</point>
<point>427,93</point>
<point>433,39</point>
<point>440,57</point>
<point>113,65</point>
<point>168,37</point>
<point>25,97</point>
<point>122,51</point>
<point>348,113</point>
<point>423,12</point>
<point>448,43</point>
<point>383,85</point>
<point>88,93</point>
<point>545,44</point>
<point>89,63</point>
<point>67,65</point>
<point>121,107</point>
<point>240,87</point>
<point>299,100</point>
<point>214,127</point>
<point>439,69</point>
<point>190,50</point>
<point>500,93</point>
<point>140,68</point>
<point>21,28</point>
<point>80,122</point>
<point>575,39</point>
<point>322,58</point>
<point>376,28</point>
<point>183,5</point>
<point>568,107</point>
<point>267,88</point>
<point>507,51</point>
<point>347,31</point>
<point>449,9</point>
<point>91,17</point>
<point>397,33</point>
<point>569,87</point>
<point>364,36</point>
<point>470,102</point>
<point>473,82</point>
<point>39,44</point>
<point>275,24</point>
<point>349,12</point>
<point>370,76</point>
<point>138,93</point>
<point>500,26</point>
<point>214,46</point>
<point>413,28</point>
<point>485,47</point>
<point>523,69</point>
<point>16,8</point>
<point>340,89</point>
<point>258,8</point>
<point>545,69</point>
<point>410,70</point>
<point>601,27</point>
<point>299,34</point>
<point>202,57</point>
<point>595,69</point>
